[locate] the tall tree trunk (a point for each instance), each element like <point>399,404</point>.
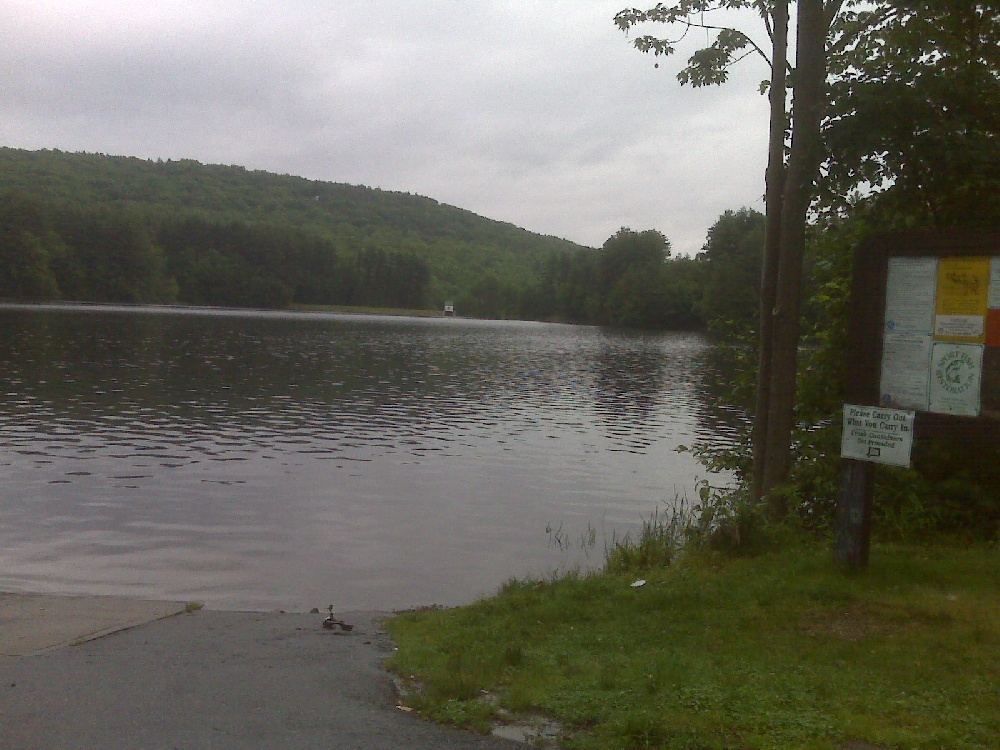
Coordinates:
<point>774,181</point>
<point>803,164</point>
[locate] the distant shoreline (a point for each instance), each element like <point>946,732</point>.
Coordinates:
<point>181,307</point>
<point>362,310</point>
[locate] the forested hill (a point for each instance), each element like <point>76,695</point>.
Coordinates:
<point>233,223</point>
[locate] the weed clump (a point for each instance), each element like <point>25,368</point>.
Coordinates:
<point>656,545</point>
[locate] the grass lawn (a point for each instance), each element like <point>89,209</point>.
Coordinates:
<point>776,651</point>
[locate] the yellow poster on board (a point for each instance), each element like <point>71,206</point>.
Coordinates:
<point>962,293</point>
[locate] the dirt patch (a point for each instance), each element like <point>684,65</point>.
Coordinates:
<point>853,625</point>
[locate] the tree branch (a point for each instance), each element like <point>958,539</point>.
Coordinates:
<point>831,10</point>
<point>681,14</point>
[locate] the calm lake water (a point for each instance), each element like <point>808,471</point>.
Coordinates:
<point>255,460</point>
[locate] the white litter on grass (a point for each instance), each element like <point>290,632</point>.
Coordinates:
<point>637,584</point>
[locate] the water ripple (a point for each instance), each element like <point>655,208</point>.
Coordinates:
<point>397,461</point>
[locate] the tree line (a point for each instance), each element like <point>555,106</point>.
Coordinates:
<point>459,247</point>
<point>102,255</point>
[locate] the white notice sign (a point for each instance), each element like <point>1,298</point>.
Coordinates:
<point>994,298</point>
<point>956,373</point>
<point>910,289</point>
<point>906,364</point>
<point>968,326</point>
<point>872,433</point>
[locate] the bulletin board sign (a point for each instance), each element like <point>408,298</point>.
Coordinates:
<point>924,335</point>
<point>925,327</point>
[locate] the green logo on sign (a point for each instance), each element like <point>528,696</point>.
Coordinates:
<point>955,372</point>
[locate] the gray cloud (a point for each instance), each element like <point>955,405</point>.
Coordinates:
<point>537,113</point>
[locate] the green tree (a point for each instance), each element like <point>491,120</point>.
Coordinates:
<point>914,112</point>
<point>731,258</point>
<point>638,300</point>
<point>207,277</point>
<point>115,260</point>
<point>489,297</point>
<point>27,244</point>
<point>575,293</point>
<point>627,277</point>
<point>789,186</point>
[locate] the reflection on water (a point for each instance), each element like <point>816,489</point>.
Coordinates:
<point>262,460</point>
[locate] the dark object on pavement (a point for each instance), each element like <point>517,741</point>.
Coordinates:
<point>332,623</point>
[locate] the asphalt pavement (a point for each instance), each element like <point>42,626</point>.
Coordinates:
<point>96,673</point>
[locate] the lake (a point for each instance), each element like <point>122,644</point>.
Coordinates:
<point>270,460</point>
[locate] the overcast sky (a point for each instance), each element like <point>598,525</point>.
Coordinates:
<point>536,112</point>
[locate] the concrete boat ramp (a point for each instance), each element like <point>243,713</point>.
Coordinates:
<point>35,623</point>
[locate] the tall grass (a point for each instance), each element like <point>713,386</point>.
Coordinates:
<point>655,545</point>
